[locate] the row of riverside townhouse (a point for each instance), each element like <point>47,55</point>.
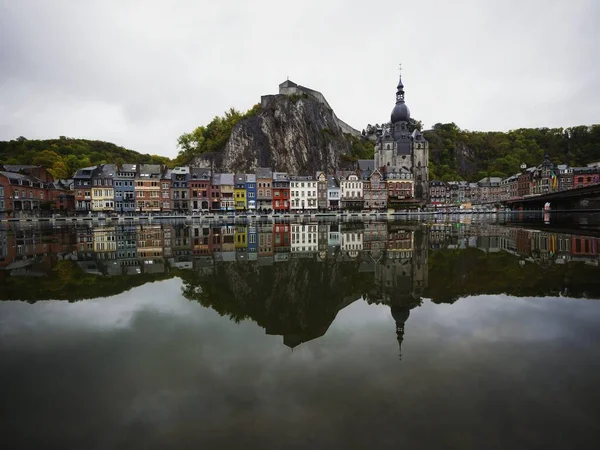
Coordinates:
<point>542,179</point>
<point>128,188</point>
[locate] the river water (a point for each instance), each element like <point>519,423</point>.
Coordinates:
<point>455,334</point>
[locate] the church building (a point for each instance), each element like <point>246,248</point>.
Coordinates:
<point>401,154</point>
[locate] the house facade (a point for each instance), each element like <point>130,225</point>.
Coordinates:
<point>124,188</point>
<point>180,189</point>
<point>200,185</point>
<point>281,192</point>
<point>251,192</point>
<point>374,191</point>
<point>103,193</point>
<point>351,189</point>
<point>303,193</point>
<point>147,188</point>
<point>83,188</point>
<point>264,181</point>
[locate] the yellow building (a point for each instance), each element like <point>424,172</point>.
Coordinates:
<point>102,191</point>
<point>104,240</point>
<point>239,193</point>
<point>103,199</point>
<point>241,237</point>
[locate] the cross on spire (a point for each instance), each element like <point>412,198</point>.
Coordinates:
<point>400,68</point>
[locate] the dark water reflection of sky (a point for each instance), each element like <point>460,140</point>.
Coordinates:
<point>150,369</point>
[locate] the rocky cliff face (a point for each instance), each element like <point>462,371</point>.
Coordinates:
<point>294,134</point>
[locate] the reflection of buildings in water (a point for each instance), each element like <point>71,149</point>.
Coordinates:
<point>352,242</point>
<point>304,238</point>
<point>403,274</point>
<point>395,255</point>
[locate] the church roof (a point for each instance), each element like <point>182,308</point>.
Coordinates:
<point>400,113</point>
<point>288,83</point>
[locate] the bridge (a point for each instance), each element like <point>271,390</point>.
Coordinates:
<point>584,198</point>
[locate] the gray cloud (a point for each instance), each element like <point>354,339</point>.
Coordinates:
<point>140,73</point>
<point>148,369</point>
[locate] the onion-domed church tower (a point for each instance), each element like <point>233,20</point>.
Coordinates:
<point>402,154</point>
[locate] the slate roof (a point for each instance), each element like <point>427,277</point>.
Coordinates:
<point>199,173</point>
<point>223,179</point>
<point>18,167</point>
<point>127,168</point>
<point>107,170</point>
<point>264,172</point>
<point>85,172</point>
<point>332,182</point>
<point>281,176</point>
<point>18,176</point>
<point>150,170</point>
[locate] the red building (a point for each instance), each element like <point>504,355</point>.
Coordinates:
<point>585,176</point>
<point>281,237</point>
<point>200,189</point>
<point>20,193</point>
<point>584,246</point>
<point>281,192</point>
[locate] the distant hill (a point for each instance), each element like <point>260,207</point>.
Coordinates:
<point>456,154</point>
<point>63,156</point>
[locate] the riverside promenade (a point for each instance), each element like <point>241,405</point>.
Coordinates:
<point>231,217</point>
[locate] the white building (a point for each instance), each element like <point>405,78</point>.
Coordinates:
<point>303,193</point>
<point>352,241</point>
<point>333,193</point>
<point>351,191</point>
<point>304,238</point>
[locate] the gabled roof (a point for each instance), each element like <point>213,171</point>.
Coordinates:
<point>85,172</point>
<point>281,176</point>
<point>18,176</point>
<point>264,172</point>
<point>199,173</point>
<point>126,167</point>
<point>18,167</point>
<point>150,170</point>
<point>223,179</point>
<point>107,170</point>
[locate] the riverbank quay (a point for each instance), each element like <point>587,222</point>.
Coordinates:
<point>231,217</point>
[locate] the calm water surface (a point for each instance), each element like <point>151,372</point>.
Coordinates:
<point>290,335</point>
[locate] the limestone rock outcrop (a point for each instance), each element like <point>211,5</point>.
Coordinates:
<point>295,134</point>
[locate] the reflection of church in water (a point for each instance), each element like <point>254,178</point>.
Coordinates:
<point>401,274</point>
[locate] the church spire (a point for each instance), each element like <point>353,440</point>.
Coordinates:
<point>400,88</point>
<point>400,113</point>
<point>400,315</point>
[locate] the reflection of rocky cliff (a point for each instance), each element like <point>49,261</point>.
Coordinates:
<point>300,299</point>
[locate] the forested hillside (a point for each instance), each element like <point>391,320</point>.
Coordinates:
<point>64,156</point>
<point>457,154</point>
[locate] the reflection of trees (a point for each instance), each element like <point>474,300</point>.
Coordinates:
<point>298,299</point>
<point>67,281</point>
<point>459,273</point>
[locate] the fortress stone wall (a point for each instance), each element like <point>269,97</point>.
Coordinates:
<point>290,88</point>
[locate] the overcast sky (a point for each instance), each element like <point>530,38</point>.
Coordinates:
<point>141,73</point>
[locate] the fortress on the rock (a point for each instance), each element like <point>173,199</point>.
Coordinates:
<point>290,88</point>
